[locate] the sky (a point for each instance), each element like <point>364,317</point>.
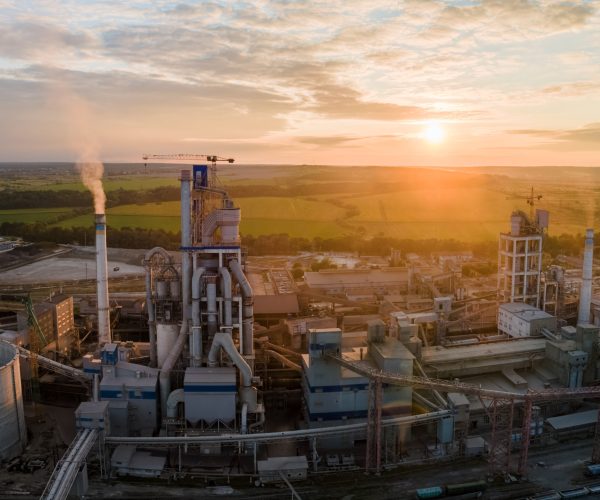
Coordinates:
<point>342,82</point>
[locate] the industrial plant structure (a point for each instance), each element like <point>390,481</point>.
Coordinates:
<point>207,390</point>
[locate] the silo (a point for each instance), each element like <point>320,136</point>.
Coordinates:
<point>13,432</point>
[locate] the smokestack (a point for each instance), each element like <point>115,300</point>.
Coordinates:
<point>585,294</point>
<point>102,281</point>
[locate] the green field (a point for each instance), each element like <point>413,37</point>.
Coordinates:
<point>29,215</point>
<point>417,203</point>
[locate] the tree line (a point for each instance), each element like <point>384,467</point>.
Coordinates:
<point>277,244</point>
<point>10,199</point>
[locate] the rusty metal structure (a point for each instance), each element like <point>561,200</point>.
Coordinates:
<point>501,410</point>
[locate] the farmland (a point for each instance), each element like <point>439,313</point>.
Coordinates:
<point>319,201</point>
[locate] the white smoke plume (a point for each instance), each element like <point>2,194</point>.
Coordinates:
<point>82,138</point>
<point>91,171</point>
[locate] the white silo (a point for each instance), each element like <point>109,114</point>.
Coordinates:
<point>13,431</point>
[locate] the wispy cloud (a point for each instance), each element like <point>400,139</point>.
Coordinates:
<point>252,72</point>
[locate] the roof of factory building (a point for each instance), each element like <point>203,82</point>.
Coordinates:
<point>498,381</point>
<point>209,376</point>
<point>439,354</point>
<point>148,383</point>
<point>286,303</point>
<point>392,349</point>
<point>524,311</point>
<point>57,299</point>
<point>573,420</point>
<point>358,277</point>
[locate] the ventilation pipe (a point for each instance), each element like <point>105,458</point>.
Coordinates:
<point>102,282</point>
<point>247,341</point>
<point>223,340</point>
<point>196,338</point>
<point>585,294</point>
<point>149,304</point>
<point>176,397</point>
<point>226,292</point>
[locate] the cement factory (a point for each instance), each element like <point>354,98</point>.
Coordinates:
<point>246,374</point>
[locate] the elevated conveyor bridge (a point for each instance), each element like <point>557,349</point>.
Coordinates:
<point>66,470</point>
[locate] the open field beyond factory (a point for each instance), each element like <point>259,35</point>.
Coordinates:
<point>314,201</point>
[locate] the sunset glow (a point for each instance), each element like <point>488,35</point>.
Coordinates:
<point>323,83</point>
<point>434,134</point>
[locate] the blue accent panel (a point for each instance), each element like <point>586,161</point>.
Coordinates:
<point>209,388</point>
<point>144,395</point>
<point>337,415</point>
<point>111,394</point>
<point>100,227</point>
<point>89,419</point>
<point>200,173</point>
<point>92,370</point>
<point>202,249</point>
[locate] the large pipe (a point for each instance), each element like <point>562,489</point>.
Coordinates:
<point>149,304</point>
<point>196,339</point>
<point>274,436</point>
<point>226,293</point>
<point>211,305</point>
<point>585,294</point>
<point>247,340</point>
<point>165,372</point>
<point>186,242</point>
<point>223,340</point>
<point>176,397</point>
<point>102,281</point>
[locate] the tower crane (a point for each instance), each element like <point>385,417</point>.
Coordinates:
<point>531,201</point>
<point>212,159</point>
<point>187,157</point>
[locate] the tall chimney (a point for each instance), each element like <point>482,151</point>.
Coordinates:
<point>102,281</point>
<point>585,294</point>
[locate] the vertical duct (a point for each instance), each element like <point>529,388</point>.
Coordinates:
<point>585,294</point>
<point>196,343</point>
<point>102,281</point>
<point>186,242</point>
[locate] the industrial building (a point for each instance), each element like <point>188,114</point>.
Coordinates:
<point>237,379</point>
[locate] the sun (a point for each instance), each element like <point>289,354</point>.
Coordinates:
<point>434,133</point>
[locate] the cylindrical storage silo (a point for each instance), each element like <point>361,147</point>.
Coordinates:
<point>174,287</point>
<point>162,289</point>
<point>166,335</point>
<point>13,432</point>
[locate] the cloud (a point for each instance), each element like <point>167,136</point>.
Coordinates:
<point>572,89</point>
<point>32,40</point>
<point>585,138</point>
<point>509,20</point>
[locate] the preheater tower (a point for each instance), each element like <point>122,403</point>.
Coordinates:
<point>520,261</point>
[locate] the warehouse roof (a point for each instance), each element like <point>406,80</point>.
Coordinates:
<point>573,420</point>
<point>285,303</point>
<point>524,311</point>
<point>357,277</point>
